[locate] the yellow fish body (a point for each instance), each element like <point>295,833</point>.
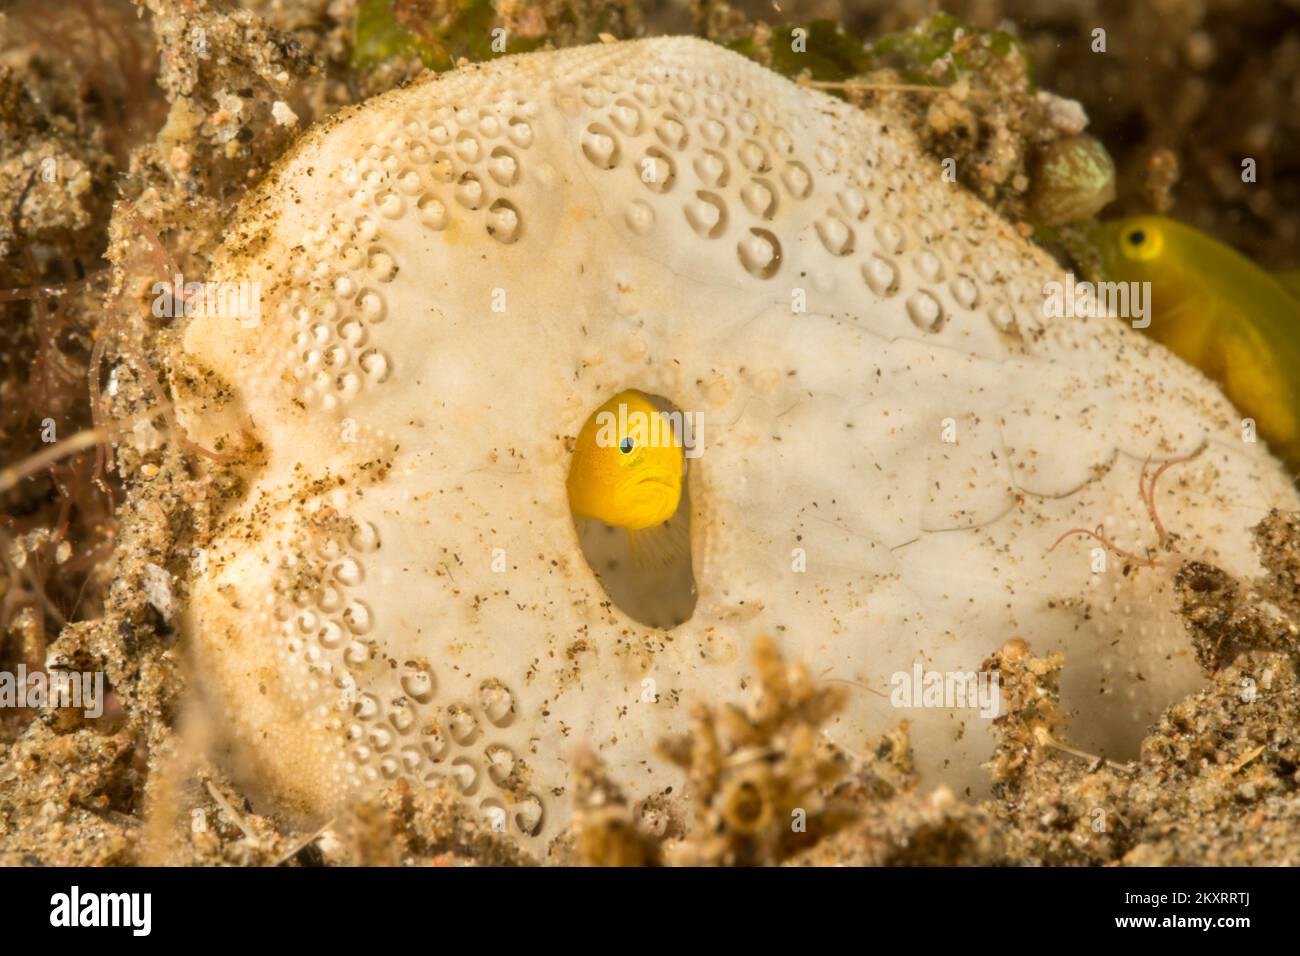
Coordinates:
<point>1217,310</point>
<point>627,466</point>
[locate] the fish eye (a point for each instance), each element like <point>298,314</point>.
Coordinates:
<point>626,446</point>
<point>1142,243</point>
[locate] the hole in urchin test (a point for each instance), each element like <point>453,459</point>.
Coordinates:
<point>630,498</point>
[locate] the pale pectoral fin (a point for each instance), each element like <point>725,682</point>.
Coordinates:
<point>663,544</point>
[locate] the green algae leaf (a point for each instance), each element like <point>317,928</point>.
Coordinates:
<point>947,41</point>
<point>915,50</point>
<point>437,33</point>
<point>829,55</point>
<point>376,36</point>
<point>936,52</point>
<point>824,50</point>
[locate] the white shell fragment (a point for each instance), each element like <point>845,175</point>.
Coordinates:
<point>453,276</point>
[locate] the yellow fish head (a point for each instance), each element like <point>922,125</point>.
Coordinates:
<point>627,465</point>
<point>1131,249</point>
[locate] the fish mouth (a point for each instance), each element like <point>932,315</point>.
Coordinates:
<point>656,482</point>
<point>653,494</point>
<point>654,489</point>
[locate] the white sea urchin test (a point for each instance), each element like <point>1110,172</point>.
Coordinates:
<point>454,275</point>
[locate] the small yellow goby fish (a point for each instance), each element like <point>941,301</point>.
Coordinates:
<point>627,467</point>
<point>1215,309</point>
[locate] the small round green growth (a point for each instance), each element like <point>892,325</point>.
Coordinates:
<point>1074,179</point>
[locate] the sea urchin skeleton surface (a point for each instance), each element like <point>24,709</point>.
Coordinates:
<point>454,275</point>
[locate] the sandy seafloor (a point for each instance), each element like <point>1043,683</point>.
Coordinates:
<point>95,552</point>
